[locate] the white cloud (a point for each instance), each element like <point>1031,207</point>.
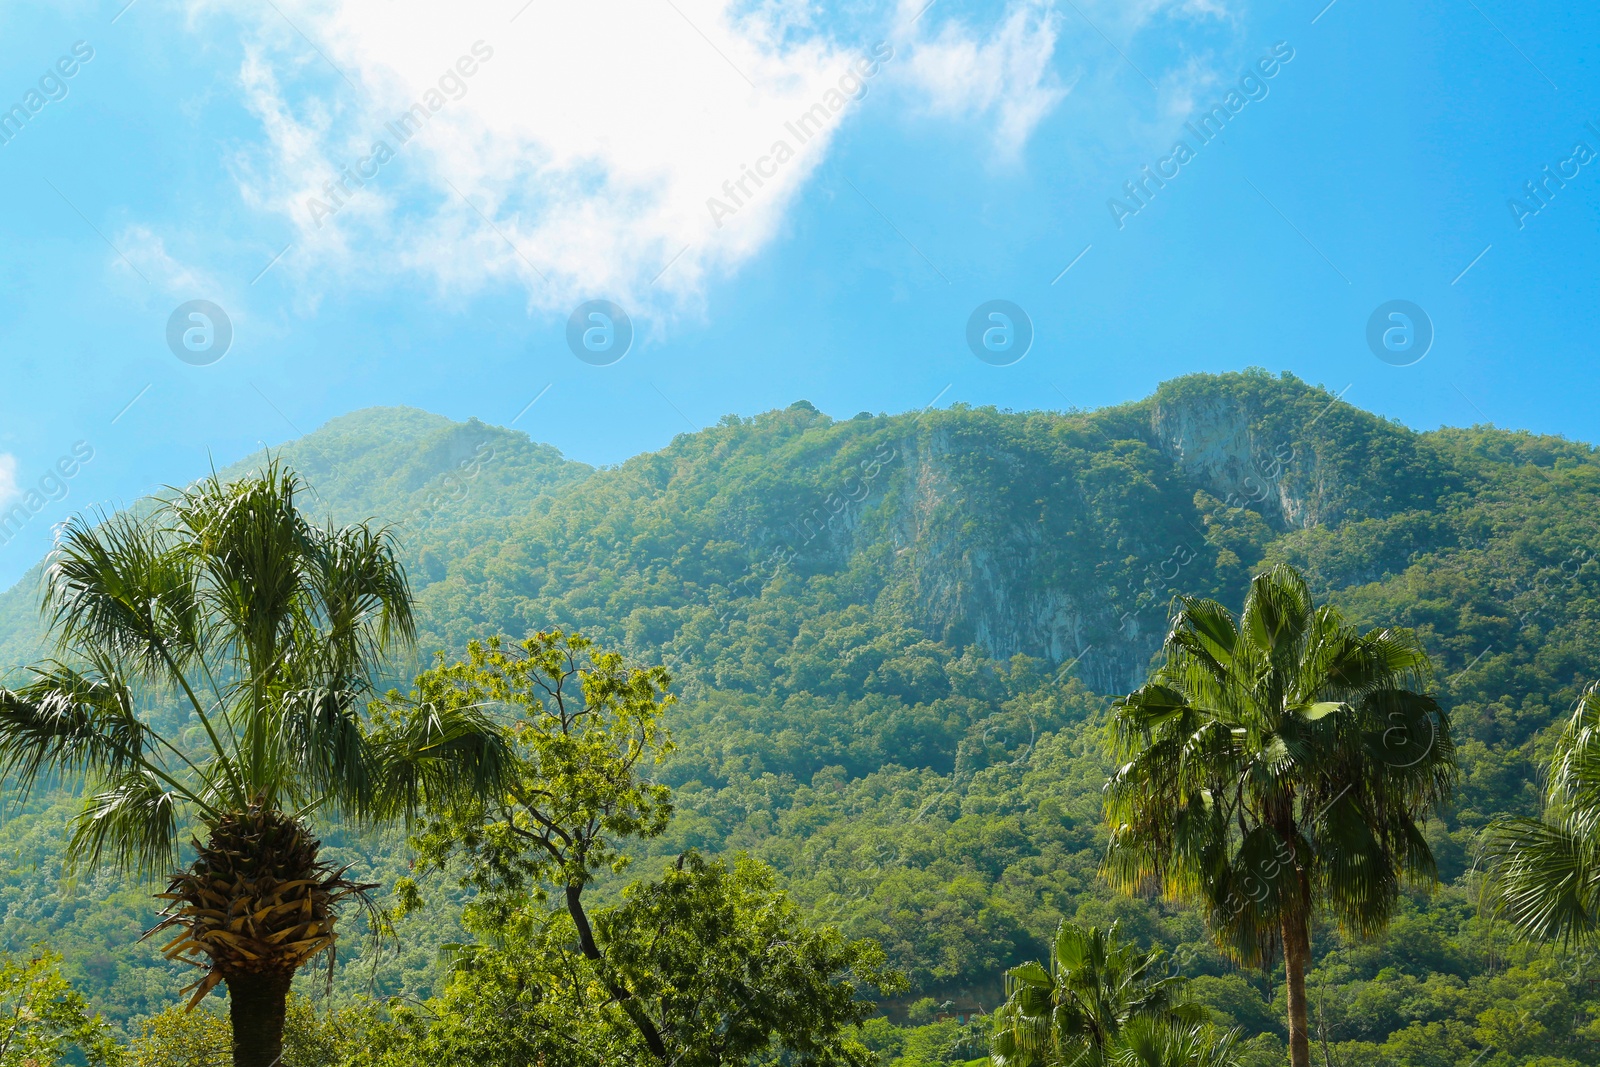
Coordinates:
<point>147,250</point>
<point>578,158</point>
<point>1183,88</point>
<point>1130,16</point>
<point>1007,77</point>
<point>8,479</point>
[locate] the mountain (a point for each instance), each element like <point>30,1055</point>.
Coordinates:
<point>441,483</point>
<point>894,638</point>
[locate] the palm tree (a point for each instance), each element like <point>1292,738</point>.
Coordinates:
<point>1148,1043</point>
<point>1544,873</point>
<point>268,630</point>
<point>1101,1002</point>
<point>1279,763</point>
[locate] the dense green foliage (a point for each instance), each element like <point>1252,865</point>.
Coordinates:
<point>708,965</point>
<point>704,966</point>
<point>894,641</point>
<point>43,1019</point>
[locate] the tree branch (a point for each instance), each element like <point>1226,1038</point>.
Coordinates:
<point>625,999</point>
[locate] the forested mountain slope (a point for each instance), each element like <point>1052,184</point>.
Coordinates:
<point>895,636</point>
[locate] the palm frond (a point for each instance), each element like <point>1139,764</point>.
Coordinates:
<point>1575,769</point>
<point>1545,878</point>
<point>322,741</point>
<point>1277,764</point>
<point>1155,1043</point>
<point>132,820</point>
<point>364,598</point>
<point>1356,865</point>
<point>1407,734</point>
<point>66,722</point>
<point>1100,1001</point>
<point>246,541</point>
<point>119,586</point>
<point>430,755</point>
<point>1277,611</point>
<point>228,588</point>
<point>1212,625</point>
<point>1147,708</point>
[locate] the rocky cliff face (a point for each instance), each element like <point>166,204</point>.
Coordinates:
<point>1236,455</point>
<point>985,565</point>
<point>1293,452</point>
<point>1008,542</point>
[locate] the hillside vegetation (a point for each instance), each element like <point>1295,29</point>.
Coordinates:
<point>894,640</point>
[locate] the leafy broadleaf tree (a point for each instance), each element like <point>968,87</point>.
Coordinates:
<point>1545,872</point>
<point>707,965</point>
<point>44,1020</point>
<point>1279,764</point>
<point>728,964</point>
<point>269,630</point>
<point>586,729</point>
<point>1102,1001</point>
<point>721,962</point>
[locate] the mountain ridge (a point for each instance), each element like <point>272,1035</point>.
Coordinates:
<point>1257,446</point>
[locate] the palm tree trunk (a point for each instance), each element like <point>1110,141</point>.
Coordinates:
<point>257,1004</point>
<point>1296,957</point>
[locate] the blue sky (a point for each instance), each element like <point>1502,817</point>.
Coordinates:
<point>973,154</point>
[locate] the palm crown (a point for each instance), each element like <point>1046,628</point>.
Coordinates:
<point>1279,761</point>
<point>1101,1001</point>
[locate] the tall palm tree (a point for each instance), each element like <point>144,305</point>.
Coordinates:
<point>1544,873</point>
<point>1277,764</point>
<point>269,631</point>
<point>1101,1002</point>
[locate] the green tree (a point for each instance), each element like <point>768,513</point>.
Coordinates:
<point>269,630</point>
<point>1545,871</point>
<point>732,970</point>
<point>720,961</point>
<point>707,965</point>
<point>204,1038</point>
<point>587,727</point>
<point>43,1019</point>
<point>1279,763</point>
<point>1102,1001</point>
<point>178,1038</point>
